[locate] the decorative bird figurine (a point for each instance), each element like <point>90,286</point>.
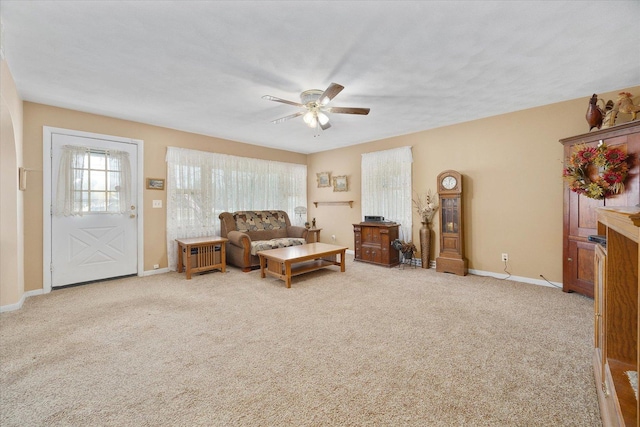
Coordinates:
<point>594,114</point>
<point>609,115</point>
<point>625,105</point>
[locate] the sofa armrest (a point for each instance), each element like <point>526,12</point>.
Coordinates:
<point>227,223</point>
<point>239,238</point>
<point>296,231</point>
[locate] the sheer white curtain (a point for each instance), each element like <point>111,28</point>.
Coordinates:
<point>92,181</point>
<point>386,187</point>
<point>201,185</point>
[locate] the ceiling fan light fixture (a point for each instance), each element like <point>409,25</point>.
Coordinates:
<point>314,121</point>
<point>314,109</point>
<point>323,118</point>
<point>307,117</point>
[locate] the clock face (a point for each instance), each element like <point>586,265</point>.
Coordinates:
<point>449,182</point>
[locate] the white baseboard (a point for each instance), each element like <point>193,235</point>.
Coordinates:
<point>18,305</point>
<point>432,264</point>
<point>156,271</point>
<point>516,278</point>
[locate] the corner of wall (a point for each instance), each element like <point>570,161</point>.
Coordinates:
<point>12,206</point>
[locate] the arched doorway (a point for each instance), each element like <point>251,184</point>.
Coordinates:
<point>11,288</point>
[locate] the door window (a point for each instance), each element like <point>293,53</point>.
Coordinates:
<point>93,181</point>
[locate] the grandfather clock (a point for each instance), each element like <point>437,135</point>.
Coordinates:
<point>451,258</point>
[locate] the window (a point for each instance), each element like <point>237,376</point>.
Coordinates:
<point>202,185</point>
<point>93,181</point>
<point>386,187</point>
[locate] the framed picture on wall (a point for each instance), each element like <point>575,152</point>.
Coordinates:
<point>324,179</point>
<point>340,183</point>
<point>155,184</point>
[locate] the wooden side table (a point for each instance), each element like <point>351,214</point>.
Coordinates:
<point>205,257</point>
<point>313,235</point>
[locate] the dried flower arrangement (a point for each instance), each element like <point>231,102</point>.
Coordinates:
<point>426,207</point>
<point>407,248</point>
<point>612,169</point>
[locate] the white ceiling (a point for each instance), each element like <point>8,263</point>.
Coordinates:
<point>203,66</point>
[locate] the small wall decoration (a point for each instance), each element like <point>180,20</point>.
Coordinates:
<point>596,172</point>
<point>324,179</point>
<point>340,183</point>
<point>155,184</point>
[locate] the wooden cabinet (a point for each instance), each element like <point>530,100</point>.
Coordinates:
<point>372,243</point>
<point>198,254</point>
<point>580,211</point>
<point>616,315</point>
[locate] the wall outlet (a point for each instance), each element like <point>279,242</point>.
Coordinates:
<point>156,266</point>
<point>505,257</point>
<point>157,204</point>
<point>333,237</point>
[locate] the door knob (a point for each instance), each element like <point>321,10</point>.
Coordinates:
<point>132,216</point>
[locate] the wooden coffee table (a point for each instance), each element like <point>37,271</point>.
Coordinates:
<point>284,263</point>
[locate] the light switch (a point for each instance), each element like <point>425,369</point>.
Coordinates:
<point>157,203</point>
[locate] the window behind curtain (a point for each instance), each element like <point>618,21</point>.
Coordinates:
<point>386,187</point>
<point>93,181</point>
<point>201,185</point>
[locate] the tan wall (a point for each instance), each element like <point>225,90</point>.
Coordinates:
<point>11,199</point>
<point>156,140</point>
<point>513,188</point>
<point>512,166</point>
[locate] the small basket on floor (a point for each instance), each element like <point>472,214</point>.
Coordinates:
<point>407,253</point>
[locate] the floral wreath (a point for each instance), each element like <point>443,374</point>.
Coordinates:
<point>612,171</point>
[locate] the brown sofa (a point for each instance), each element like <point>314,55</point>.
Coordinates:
<point>252,231</point>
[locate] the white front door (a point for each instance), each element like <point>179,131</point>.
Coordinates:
<point>96,242</point>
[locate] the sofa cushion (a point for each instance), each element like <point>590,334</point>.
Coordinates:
<point>259,220</point>
<point>263,245</point>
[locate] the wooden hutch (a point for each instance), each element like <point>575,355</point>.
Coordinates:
<point>616,314</point>
<point>580,212</point>
<point>372,243</point>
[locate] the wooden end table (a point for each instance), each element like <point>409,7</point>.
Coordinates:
<point>285,263</point>
<point>206,259</point>
<point>313,235</point>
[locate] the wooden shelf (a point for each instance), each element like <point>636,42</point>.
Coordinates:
<point>617,314</point>
<point>341,203</point>
<point>623,390</point>
<point>305,267</point>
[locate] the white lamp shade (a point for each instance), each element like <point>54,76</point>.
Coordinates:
<point>323,119</point>
<point>307,117</point>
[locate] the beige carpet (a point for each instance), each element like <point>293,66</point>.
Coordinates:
<point>369,347</point>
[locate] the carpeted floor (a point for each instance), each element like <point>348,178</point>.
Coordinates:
<point>369,347</point>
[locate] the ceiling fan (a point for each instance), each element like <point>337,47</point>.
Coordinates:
<point>314,107</point>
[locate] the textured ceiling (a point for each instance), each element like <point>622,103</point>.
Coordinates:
<point>203,67</point>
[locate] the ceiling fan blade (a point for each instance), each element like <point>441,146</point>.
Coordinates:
<point>285,118</point>
<point>284,101</point>
<point>348,110</point>
<point>330,93</point>
<point>325,126</point>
